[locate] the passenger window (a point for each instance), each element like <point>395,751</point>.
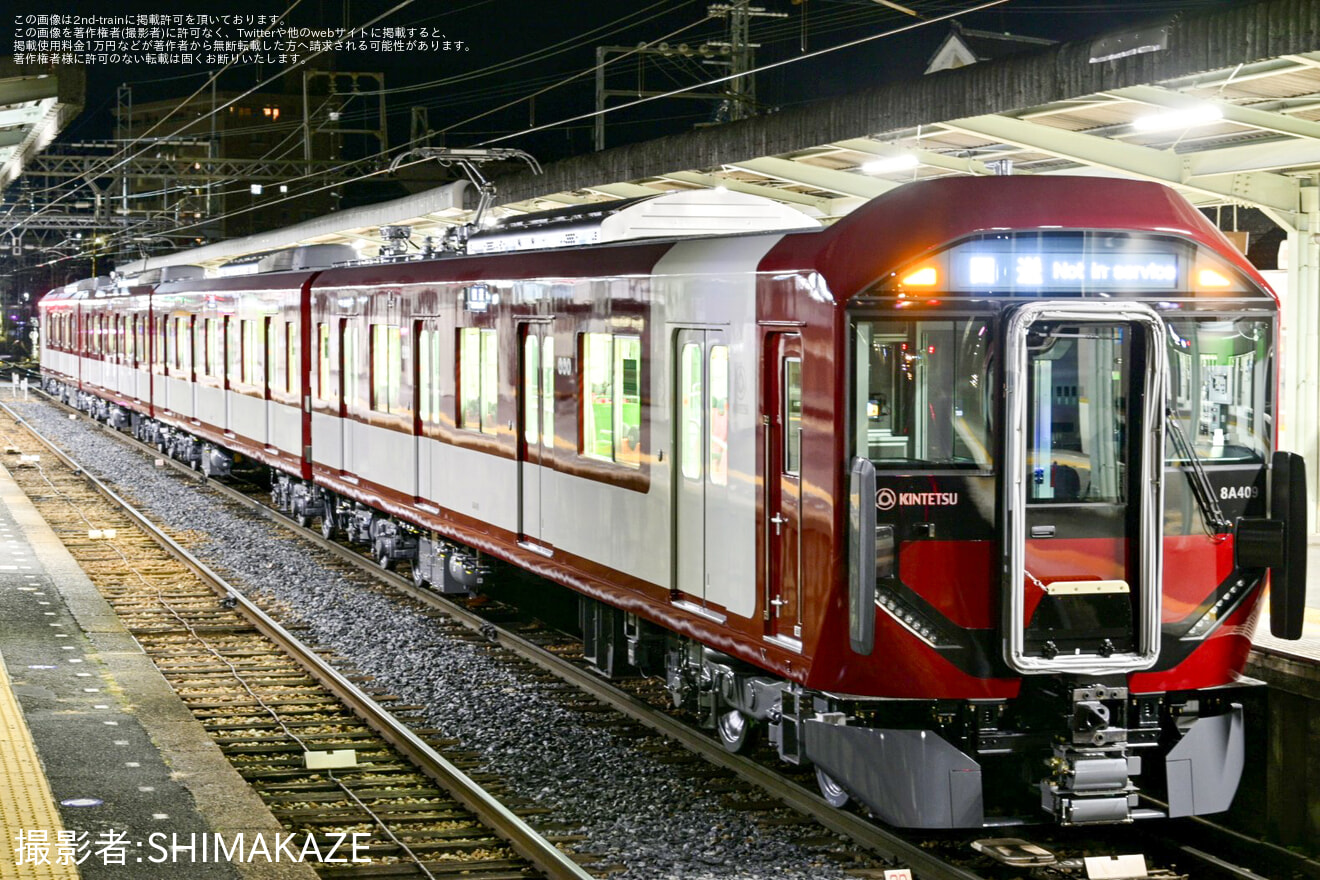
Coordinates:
<point>251,344</point>
<point>532,388</point>
<point>792,416</point>
<point>386,368</point>
<point>611,408</point>
<point>689,384</point>
<point>719,415</point>
<point>323,389</point>
<point>349,380</point>
<point>478,376</point>
<point>274,351</point>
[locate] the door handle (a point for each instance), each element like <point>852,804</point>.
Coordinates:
<point>779,521</point>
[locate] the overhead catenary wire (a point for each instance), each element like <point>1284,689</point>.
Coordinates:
<point>585,116</point>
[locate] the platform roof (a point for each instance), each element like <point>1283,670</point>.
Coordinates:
<point>34,108</point>
<point>1251,73</point>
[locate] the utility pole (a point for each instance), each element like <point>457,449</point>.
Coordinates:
<point>742,55</point>
<point>736,54</point>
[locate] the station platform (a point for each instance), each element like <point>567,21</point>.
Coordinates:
<point>102,769</point>
<point>1305,650</point>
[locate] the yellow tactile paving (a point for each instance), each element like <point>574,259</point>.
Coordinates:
<point>26,803</point>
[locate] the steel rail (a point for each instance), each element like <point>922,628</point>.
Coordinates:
<point>886,844</point>
<point>543,854</point>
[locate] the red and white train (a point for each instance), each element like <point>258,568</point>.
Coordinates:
<point>967,499</point>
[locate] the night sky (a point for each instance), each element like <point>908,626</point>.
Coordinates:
<point>518,48</point>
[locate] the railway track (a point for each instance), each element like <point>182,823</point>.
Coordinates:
<point>548,652</point>
<point>332,764</point>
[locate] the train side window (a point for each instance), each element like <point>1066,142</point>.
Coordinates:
<point>350,357</point>
<point>718,418</point>
<point>386,368</point>
<point>251,344</point>
<point>162,338</point>
<point>478,377</point>
<point>792,416</point>
<point>532,385</point>
<point>130,340</point>
<point>172,345</point>
<point>689,387</point>
<point>611,407</point>
<point>213,349</point>
<point>324,390</point>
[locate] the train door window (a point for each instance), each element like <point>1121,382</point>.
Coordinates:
<point>548,392</point>
<point>161,357</point>
<point>324,390</point>
<point>386,368</point>
<point>792,416</point>
<point>292,358</point>
<point>351,361</point>
<point>274,351</point>
<point>690,403</point>
<point>1078,414</point>
<point>140,329</point>
<point>172,345</point>
<point>130,340</point>
<point>718,419</point>
<point>424,377</point>
<point>532,400</point>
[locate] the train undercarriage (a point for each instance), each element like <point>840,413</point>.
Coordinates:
<point>1069,749</point>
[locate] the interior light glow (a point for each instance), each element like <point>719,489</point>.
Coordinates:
<point>1211,278</point>
<point>926,276</point>
<point>1170,120</point>
<point>889,164</point>
<point>982,270</point>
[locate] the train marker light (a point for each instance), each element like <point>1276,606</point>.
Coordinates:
<point>1211,278</point>
<point>926,276</point>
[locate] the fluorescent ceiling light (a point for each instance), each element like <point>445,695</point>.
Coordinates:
<point>1170,120</point>
<point>901,162</point>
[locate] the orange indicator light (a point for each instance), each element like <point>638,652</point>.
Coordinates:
<point>1211,278</point>
<point>926,276</point>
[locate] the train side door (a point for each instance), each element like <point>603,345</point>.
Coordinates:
<point>700,472</point>
<point>1084,451</point>
<point>535,404</point>
<point>782,522</point>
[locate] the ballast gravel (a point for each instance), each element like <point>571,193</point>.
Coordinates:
<point>632,810</point>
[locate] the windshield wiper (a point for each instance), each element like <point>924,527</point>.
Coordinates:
<point>1201,488</point>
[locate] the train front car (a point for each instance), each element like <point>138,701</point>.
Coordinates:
<point>1057,398</point>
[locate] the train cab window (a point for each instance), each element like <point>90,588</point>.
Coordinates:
<point>792,410</point>
<point>386,368</point>
<point>1220,388</point>
<point>921,394</point>
<point>478,379</point>
<point>611,409</point>
<point>324,390</point>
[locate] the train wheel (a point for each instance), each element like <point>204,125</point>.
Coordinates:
<point>736,731</point>
<point>419,579</point>
<point>302,518</point>
<point>382,555</point>
<point>833,793</point>
<point>328,526</point>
